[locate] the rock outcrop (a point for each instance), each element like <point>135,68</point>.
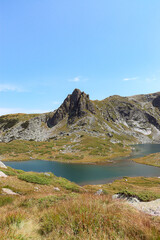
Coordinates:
<point>122,119</point>
<point>74,106</point>
<point>2,174</point>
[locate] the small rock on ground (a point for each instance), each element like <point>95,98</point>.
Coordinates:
<point>9,191</point>
<point>2,174</point>
<point>56,189</point>
<point>99,192</point>
<point>47,174</point>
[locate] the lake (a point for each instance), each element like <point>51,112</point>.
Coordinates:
<point>95,174</point>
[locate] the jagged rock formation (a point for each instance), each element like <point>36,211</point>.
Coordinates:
<point>122,119</point>
<point>75,105</point>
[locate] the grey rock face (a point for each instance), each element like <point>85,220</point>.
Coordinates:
<point>60,113</point>
<point>75,105</point>
<point>135,117</point>
<point>34,130</point>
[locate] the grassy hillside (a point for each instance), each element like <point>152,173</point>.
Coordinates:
<point>151,159</point>
<point>48,207</point>
<point>87,149</point>
<point>8,121</point>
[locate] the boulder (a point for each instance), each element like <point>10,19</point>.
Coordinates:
<point>2,174</point>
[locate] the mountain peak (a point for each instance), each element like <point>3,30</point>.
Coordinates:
<point>74,106</point>
<point>76,91</point>
<point>122,119</point>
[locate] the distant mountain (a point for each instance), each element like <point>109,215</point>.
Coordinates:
<point>125,120</point>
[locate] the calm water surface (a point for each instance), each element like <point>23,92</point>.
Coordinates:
<point>95,174</point>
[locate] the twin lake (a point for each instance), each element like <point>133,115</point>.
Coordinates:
<point>95,174</point>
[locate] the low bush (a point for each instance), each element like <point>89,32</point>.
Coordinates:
<point>39,178</point>
<point>25,124</point>
<point>10,123</point>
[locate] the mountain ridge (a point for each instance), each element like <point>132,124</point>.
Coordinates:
<point>135,117</point>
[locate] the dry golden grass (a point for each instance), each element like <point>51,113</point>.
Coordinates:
<point>151,159</point>
<point>83,217</point>
<point>146,189</point>
<point>40,212</point>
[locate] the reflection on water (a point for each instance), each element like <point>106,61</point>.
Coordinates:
<point>95,174</point>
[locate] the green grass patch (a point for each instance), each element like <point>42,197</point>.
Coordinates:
<point>68,157</point>
<point>144,196</point>
<point>39,178</point>
<point>11,172</point>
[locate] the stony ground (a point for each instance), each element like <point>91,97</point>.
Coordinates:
<point>152,207</point>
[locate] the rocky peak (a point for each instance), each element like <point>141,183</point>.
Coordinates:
<point>137,116</point>
<point>75,105</point>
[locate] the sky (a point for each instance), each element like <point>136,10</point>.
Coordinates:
<point>48,48</point>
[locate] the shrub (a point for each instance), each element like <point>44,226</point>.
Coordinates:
<point>25,124</point>
<point>10,123</point>
<point>38,178</point>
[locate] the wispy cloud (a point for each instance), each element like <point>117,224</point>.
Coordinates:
<point>9,87</point>
<point>78,79</point>
<point>75,79</point>
<point>130,79</point>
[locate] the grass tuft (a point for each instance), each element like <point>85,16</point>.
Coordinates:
<point>4,200</point>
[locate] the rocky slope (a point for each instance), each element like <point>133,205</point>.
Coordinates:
<point>120,119</point>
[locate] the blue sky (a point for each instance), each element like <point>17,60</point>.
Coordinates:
<point>48,48</point>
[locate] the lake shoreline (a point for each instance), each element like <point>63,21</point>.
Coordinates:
<point>90,173</point>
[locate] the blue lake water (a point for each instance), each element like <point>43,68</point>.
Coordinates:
<point>95,174</point>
